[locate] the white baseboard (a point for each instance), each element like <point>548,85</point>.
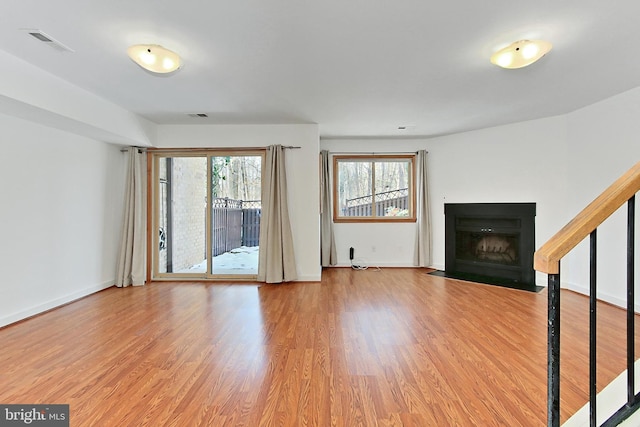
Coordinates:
<point>381,265</point>
<point>603,296</point>
<point>40,308</point>
<point>309,278</point>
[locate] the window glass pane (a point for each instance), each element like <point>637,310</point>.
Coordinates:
<point>182,221</point>
<point>354,188</point>
<point>235,214</point>
<point>392,188</point>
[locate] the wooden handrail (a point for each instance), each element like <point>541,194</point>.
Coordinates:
<point>547,258</point>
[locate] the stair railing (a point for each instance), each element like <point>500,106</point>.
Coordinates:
<point>547,260</point>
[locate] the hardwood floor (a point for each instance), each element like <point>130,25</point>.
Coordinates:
<point>396,347</point>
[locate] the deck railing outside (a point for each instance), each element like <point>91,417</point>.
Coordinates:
<point>386,203</point>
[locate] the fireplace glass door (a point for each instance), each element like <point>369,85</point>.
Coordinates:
<point>499,248</point>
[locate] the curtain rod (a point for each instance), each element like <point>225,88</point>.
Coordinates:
<point>372,153</point>
<point>142,150</point>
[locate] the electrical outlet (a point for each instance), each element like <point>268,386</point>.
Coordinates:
<point>351,253</point>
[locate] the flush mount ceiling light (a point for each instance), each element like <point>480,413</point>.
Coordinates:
<point>154,58</point>
<point>521,53</point>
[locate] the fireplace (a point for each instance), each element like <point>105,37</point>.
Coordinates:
<point>491,243</point>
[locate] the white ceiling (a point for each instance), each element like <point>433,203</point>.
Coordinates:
<point>358,68</point>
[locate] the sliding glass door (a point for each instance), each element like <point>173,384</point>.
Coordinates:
<point>206,212</point>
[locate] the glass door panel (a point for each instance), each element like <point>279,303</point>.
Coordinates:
<point>235,214</point>
<point>182,211</point>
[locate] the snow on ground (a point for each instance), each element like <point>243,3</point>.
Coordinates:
<point>242,260</point>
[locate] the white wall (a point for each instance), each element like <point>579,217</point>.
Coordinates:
<point>33,94</point>
<point>501,164</point>
<point>302,174</point>
<point>61,212</point>
<point>604,142</point>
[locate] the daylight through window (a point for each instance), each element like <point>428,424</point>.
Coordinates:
<point>374,188</point>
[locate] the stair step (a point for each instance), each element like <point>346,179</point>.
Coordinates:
<point>608,401</point>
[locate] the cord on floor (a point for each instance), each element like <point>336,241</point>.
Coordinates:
<point>360,264</point>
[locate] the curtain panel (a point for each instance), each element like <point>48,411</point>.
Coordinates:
<point>328,253</point>
<point>276,260</point>
<point>132,261</point>
<point>422,254</point>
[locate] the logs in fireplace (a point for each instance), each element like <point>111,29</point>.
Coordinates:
<point>491,243</point>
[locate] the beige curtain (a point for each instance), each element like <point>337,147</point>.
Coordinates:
<point>328,254</point>
<point>276,261</point>
<point>422,255</point>
<point>132,262</point>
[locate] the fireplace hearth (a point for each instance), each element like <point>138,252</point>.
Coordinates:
<point>491,243</point>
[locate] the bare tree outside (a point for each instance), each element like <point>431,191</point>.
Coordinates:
<point>236,177</point>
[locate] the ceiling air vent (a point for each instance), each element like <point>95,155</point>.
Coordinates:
<point>48,40</point>
<point>197,115</point>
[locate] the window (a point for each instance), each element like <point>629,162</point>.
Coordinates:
<point>374,188</point>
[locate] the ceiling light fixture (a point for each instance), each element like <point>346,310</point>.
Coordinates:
<point>521,53</point>
<point>155,58</point>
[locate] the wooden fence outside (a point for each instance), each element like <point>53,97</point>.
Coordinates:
<point>251,227</point>
<point>234,223</point>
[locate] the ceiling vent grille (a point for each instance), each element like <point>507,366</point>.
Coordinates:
<point>48,40</point>
<point>201,115</point>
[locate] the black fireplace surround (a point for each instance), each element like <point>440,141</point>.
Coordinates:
<point>491,243</point>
